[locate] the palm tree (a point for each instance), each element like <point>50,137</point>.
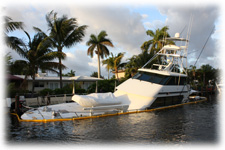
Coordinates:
<point>114,63</point>
<point>10,26</point>
<point>193,70</point>
<point>64,32</point>
<point>98,44</point>
<point>156,42</point>
<point>117,63</point>
<point>109,63</point>
<point>207,71</point>
<point>136,62</point>
<point>37,54</point>
<point>71,73</point>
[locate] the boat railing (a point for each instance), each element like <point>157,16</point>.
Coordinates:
<point>49,99</point>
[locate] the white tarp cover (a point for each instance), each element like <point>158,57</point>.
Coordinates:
<point>96,99</point>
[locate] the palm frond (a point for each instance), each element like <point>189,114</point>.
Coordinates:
<point>75,37</point>
<point>146,45</point>
<point>17,44</point>
<point>107,42</point>
<point>91,50</point>
<point>12,25</point>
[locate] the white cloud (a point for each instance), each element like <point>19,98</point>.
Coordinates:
<point>144,16</point>
<point>79,61</point>
<point>205,17</point>
<point>154,24</point>
<point>124,28</point>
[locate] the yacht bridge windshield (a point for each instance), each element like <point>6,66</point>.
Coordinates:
<point>160,79</point>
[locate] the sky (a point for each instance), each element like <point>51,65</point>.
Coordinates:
<point>126,24</point>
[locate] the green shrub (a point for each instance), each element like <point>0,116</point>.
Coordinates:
<point>46,91</point>
<point>103,86</point>
<point>12,91</point>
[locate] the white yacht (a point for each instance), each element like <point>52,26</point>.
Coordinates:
<point>163,84</point>
<point>160,82</point>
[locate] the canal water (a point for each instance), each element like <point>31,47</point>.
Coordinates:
<point>193,123</point>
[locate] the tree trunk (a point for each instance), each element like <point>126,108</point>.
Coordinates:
<point>116,73</point>
<point>108,74</point>
<point>60,73</point>
<point>117,76</point>
<point>204,78</point>
<point>96,88</point>
<point>32,94</point>
<point>99,70</point>
<point>60,67</point>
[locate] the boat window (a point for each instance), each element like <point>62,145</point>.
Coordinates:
<point>175,81</point>
<point>149,77</point>
<point>172,81</point>
<point>156,78</point>
<point>145,77</point>
<point>159,79</point>
<point>165,80</point>
<point>166,101</point>
<point>136,76</point>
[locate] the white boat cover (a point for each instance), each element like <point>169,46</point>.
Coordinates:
<point>96,99</point>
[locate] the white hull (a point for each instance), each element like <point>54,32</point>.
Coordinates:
<point>144,93</point>
<point>70,110</point>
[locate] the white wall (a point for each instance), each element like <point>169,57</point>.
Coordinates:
<point>53,84</point>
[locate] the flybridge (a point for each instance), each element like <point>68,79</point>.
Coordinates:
<point>170,57</point>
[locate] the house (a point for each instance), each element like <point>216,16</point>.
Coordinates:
<point>121,74</point>
<point>43,81</point>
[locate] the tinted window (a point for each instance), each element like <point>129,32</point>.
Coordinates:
<point>172,81</point>
<point>149,77</point>
<point>175,81</point>
<point>167,101</point>
<point>145,77</point>
<point>165,80</point>
<point>159,79</point>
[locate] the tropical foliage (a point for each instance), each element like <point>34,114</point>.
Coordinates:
<point>114,63</point>
<point>103,86</point>
<point>109,63</point>
<point>64,32</point>
<point>149,48</point>
<point>95,74</point>
<point>70,74</point>
<point>157,40</point>
<point>136,62</point>
<point>37,54</point>
<point>9,26</point>
<point>98,44</point>
<point>202,75</point>
<point>65,90</point>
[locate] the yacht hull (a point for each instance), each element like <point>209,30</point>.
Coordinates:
<point>142,95</point>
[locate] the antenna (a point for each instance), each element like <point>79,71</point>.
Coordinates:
<point>188,38</point>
